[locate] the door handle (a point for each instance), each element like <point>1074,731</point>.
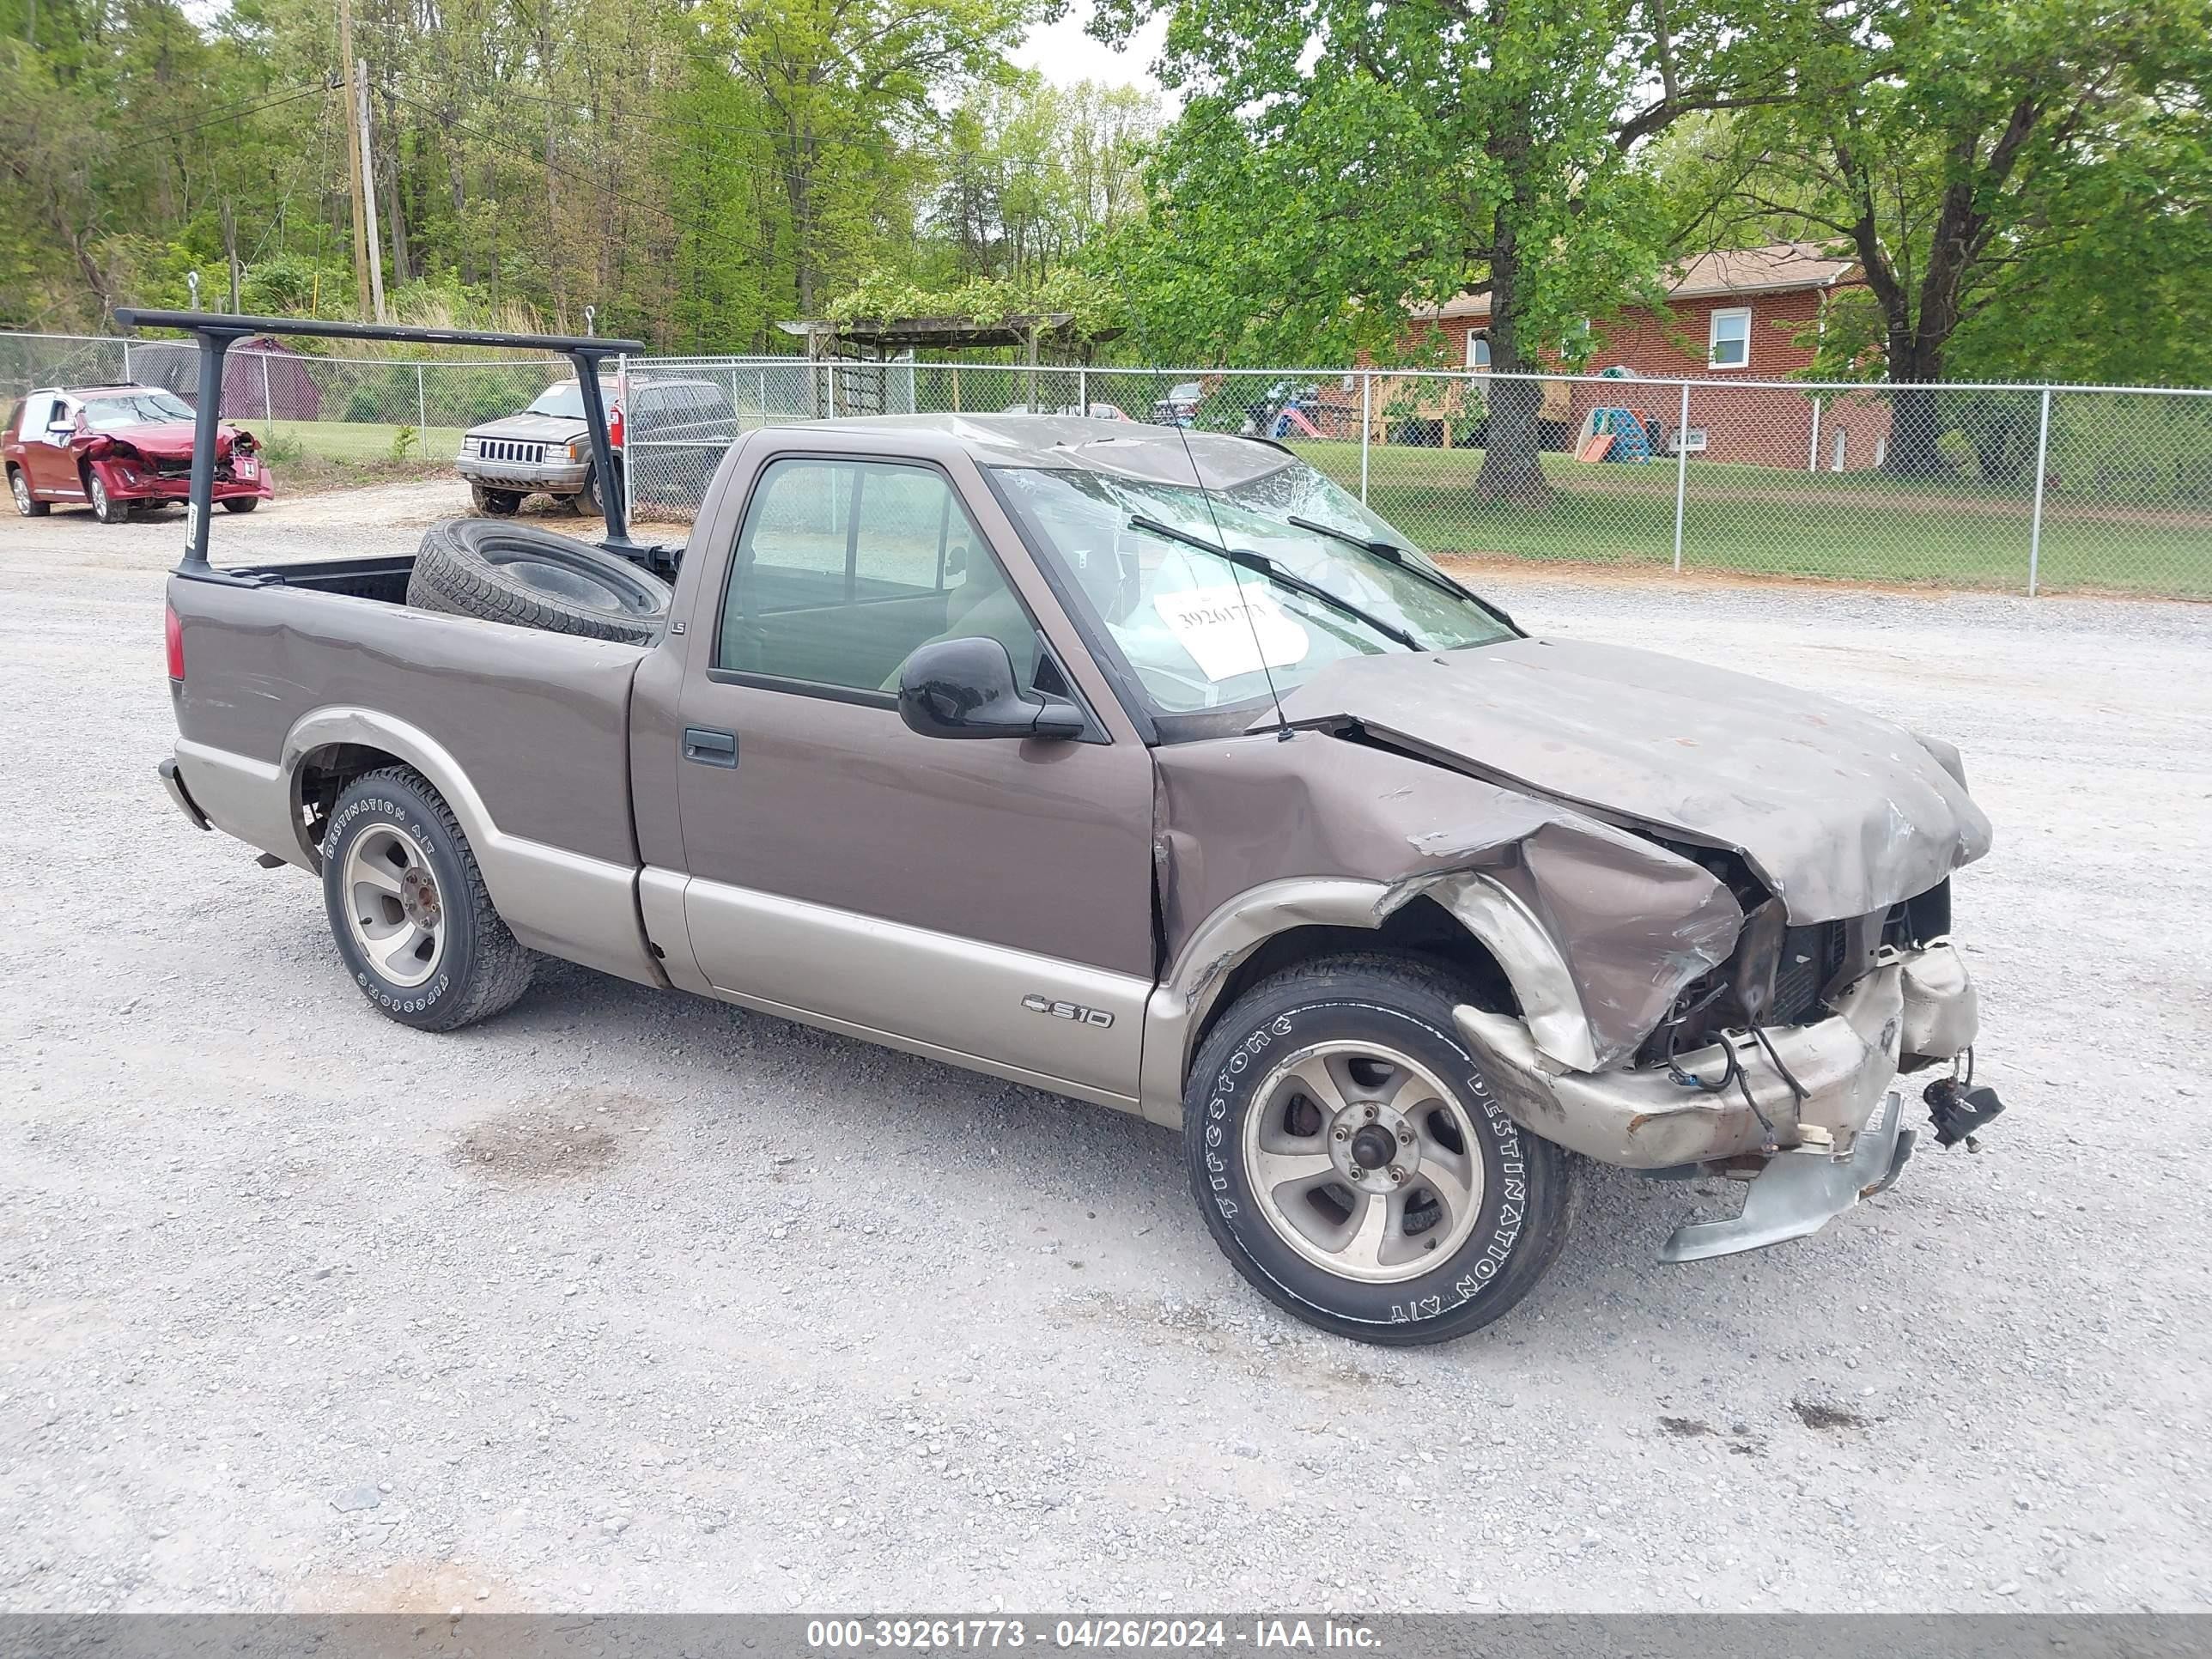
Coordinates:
<point>710,747</point>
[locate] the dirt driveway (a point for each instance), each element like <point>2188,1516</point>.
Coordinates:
<point>632,1301</point>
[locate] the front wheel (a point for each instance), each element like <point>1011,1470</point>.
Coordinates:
<point>408,908</point>
<point>1353,1164</point>
<point>105,506</point>
<point>497,503</point>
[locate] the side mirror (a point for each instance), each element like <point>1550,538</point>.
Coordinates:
<point>965,688</point>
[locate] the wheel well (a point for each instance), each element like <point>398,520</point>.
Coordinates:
<point>322,776</point>
<point>1421,927</point>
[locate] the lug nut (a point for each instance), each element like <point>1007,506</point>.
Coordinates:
<point>1344,1134</point>
<point>1396,1174</point>
<point>1371,1114</point>
<point>1405,1137</point>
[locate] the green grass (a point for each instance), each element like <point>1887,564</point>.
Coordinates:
<point>1859,526</point>
<point>349,441</point>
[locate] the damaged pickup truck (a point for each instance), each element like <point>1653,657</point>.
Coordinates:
<point>1146,766</point>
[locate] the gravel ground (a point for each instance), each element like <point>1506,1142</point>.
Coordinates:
<point>627,1301</point>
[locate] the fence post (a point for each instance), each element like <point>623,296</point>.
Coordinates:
<point>630,434</point>
<point>2042,471</point>
<point>1813,453</point>
<point>1681,471</point>
<point>1366,425</point>
<point>126,358</point>
<point>1082,389</point>
<point>268,403</point>
<point>421,403</point>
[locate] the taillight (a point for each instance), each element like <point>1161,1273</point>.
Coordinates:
<point>172,631</point>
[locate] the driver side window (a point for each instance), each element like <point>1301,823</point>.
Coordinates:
<point>844,568</point>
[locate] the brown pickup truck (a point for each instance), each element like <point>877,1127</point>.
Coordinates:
<point>1146,766</point>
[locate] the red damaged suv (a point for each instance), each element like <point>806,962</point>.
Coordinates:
<point>119,447</point>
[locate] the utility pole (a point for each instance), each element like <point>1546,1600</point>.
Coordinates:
<point>230,251</point>
<point>353,154</point>
<point>369,186</point>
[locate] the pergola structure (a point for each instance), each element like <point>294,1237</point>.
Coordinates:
<point>1048,337</point>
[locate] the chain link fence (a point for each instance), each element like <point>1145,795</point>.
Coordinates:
<point>2025,489</point>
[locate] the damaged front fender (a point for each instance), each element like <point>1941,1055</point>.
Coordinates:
<point>1597,930</point>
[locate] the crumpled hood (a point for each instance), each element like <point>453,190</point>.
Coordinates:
<point>1838,812</point>
<point>164,440</point>
<point>532,429</point>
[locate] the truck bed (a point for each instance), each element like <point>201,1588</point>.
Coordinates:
<point>299,677</point>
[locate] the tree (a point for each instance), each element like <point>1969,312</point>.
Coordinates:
<point>1340,161</point>
<point>1034,174</point>
<point>846,88</point>
<point>1984,160</point>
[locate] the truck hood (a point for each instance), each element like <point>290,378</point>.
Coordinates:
<point>1836,811</point>
<point>531,429</point>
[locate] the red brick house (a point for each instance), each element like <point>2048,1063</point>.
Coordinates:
<point>1748,314</point>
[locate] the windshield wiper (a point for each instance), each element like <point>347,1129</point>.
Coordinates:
<point>1391,553</point>
<point>1261,564</point>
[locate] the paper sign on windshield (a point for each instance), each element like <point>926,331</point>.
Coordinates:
<point>1231,629</point>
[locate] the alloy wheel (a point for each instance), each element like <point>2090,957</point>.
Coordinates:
<point>1362,1162</point>
<point>393,905</point>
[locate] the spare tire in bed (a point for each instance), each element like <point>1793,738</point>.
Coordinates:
<point>509,573</point>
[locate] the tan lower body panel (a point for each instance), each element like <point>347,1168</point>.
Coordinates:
<point>1056,1025</point>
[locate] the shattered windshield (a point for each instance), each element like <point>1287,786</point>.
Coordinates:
<point>1200,630</point>
<point>111,412</point>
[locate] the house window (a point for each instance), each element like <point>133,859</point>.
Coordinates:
<point>1478,351</point>
<point>1730,340</point>
<point>1689,437</point>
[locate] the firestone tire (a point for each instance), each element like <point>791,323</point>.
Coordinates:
<point>26,505</point>
<point>105,506</point>
<point>532,578</point>
<point>1286,1092</point>
<point>408,909</point>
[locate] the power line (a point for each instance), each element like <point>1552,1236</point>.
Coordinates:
<point>256,105</point>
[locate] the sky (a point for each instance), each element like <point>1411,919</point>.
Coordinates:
<point>1063,53</point>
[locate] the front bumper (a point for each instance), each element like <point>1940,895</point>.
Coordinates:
<point>563,478</point>
<point>132,482</point>
<point>1800,1192</point>
<point>1919,1003</point>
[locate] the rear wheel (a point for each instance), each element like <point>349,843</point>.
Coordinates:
<point>1353,1164</point>
<point>241,503</point>
<point>20,487</point>
<point>105,506</point>
<point>408,908</point>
